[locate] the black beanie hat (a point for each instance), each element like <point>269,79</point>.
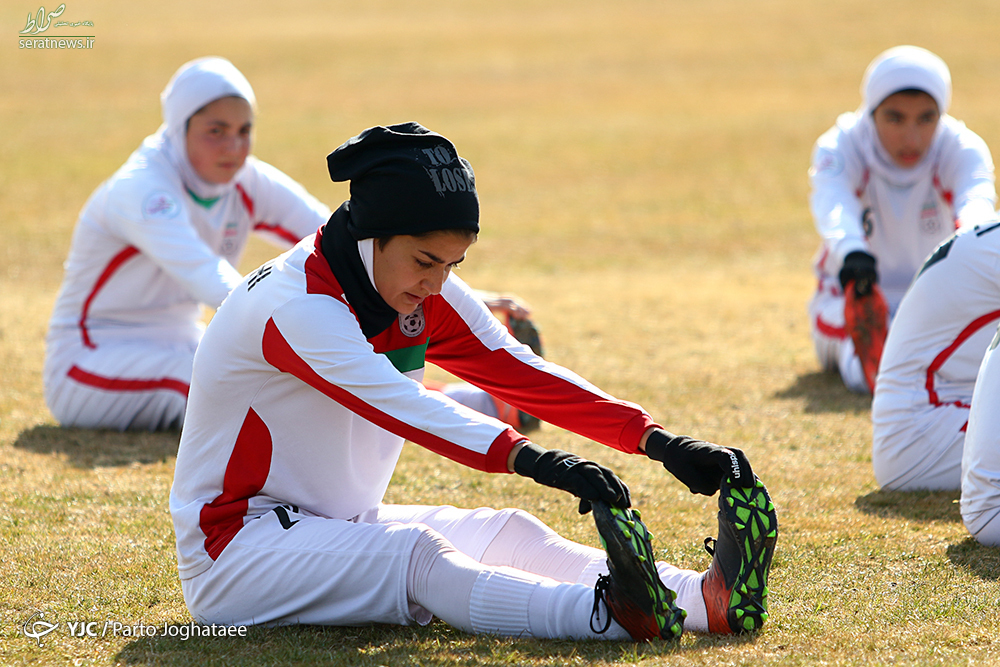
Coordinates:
<point>405,179</point>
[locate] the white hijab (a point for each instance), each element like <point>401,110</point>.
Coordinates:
<point>901,68</point>
<point>194,85</point>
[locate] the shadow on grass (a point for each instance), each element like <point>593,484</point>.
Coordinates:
<point>913,505</point>
<point>87,448</point>
<point>978,559</point>
<point>436,644</point>
<point>825,392</point>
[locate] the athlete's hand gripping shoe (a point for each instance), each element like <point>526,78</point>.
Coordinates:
<point>866,318</point>
<point>698,464</point>
<point>632,593</point>
<point>859,271</point>
<point>735,586</point>
<point>585,479</point>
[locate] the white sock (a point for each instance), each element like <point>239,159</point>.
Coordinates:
<point>851,370</point>
<point>597,566</point>
<point>687,585</point>
<point>518,604</point>
<point>440,579</point>
<point>565,610</point>
<point>525,543</point>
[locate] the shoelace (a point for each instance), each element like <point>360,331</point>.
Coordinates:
<point>710,549</point>
<point>602,585</point>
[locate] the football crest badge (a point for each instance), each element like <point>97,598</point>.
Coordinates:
<point>412,325</point>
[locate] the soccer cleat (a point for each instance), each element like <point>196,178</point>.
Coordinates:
<point>866,320</point>
<point>735,586</point>
<point>520,420</point>
<point>525,331</point>
<point>632,593</point>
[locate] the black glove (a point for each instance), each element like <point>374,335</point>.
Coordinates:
<point>859,266</point>
<point>698,464</point>
<point>561,470</point>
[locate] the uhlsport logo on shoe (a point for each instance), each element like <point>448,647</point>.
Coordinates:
<point>36,35</point>
<point>736,464</point>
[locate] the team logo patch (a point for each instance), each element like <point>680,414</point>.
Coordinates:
<point>160,205</point>
<point>828,163</point>
<point>929,221</point>
<point>413,324</point>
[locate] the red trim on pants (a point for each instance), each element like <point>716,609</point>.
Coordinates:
<point>829,330</point>
<point>123,384</point>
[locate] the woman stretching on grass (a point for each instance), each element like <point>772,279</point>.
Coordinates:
<point>306,385</point>
<point>160,239</point>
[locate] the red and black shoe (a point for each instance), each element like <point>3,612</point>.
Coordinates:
<point>735,586</point>
<point>866,319</point>
<point>632,593</point>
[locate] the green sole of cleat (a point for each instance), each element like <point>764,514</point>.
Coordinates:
<point>753,515</point>
<point>632,534</point>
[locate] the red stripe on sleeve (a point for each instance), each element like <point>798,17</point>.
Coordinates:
<point>246,472</point>
<point>127,253</point>
<point>559,401</point>
<point>277,230</point>
<point>258,226</point>
<point>247,201</point>
<point>280,354</point>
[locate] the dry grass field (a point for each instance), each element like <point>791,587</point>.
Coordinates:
<point>642,170</point>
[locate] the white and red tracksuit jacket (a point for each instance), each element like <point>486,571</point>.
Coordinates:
<point>290,403</point>
<point>146,253</point>
<point>940,334</point>
<point>856,206</point>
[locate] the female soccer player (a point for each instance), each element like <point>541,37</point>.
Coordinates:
<point>927,375</point>
<point>161,238</point>
<point>889,183</point>
<point>154,243</point>
<point>306,385</point>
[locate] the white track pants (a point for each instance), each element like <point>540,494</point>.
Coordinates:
<point>286,567</point>
<point>919,449</point>
<point>981,458</point>
<point>123,384</point>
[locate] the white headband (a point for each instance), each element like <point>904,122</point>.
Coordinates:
<point>198,83</point>
<point>906,68</point>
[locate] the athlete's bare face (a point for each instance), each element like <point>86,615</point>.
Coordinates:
<point>411,268</point>
<point>218,138</point>
<point>905,123</point>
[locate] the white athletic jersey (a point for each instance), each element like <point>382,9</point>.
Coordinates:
<point>941,330</point>
<point>146,251</point>
<point>290,404</point>
<point>856,208</point>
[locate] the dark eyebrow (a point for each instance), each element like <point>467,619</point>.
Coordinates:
<point>435,258</point>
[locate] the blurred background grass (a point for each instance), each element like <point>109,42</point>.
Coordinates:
<point>642,171</point>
